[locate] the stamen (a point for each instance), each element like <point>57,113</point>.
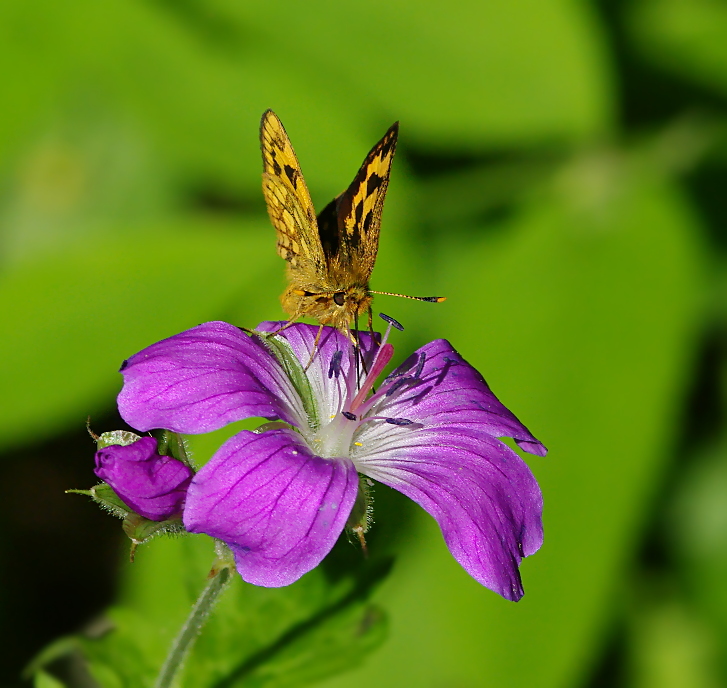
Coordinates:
<point>420,365</point>
<point>394,323</point>
<point>349,415</point>
<point>400,370</point>
<point>391,421</point>
<point>335,366</point>
<point>395,387</point>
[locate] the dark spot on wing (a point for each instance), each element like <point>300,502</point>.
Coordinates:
<point>328,229</point>
<point>292,174</point>
<point>354,238</point>
<point>359,212</point>
<point>373,183</point>
<point>368,221</point>
<point>276,168</point>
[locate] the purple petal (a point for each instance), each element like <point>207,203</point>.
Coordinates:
<point>153,486</point>
<point>203,379</point>
<point>278,507</point>
<point>484,497</point>
<point>450,393</point>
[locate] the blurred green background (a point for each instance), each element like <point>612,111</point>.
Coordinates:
<point>561,177</point>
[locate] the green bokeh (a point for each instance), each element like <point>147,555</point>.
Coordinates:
<point>552,181</point>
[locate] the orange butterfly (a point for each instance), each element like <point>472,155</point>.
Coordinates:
<point>331,257</point>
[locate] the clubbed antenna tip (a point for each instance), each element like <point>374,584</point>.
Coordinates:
<point>430,299</point>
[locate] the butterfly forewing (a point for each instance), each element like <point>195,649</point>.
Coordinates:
<point>358,212</point>
<point>288,200</point>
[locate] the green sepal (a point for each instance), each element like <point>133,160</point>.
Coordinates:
<point>172,444</point>
<point>106,498</point>
<point>283,352</point>
<point>362,514</point>
<point>140,530</point>
<point>121,437</point>
<point>273,425</point>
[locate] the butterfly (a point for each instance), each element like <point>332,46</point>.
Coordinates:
<point>330,257</point>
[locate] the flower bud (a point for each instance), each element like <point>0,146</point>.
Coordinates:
<point>153,486</point>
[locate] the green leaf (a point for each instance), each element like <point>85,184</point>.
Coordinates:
<point>44,680</point>
<point>59,648</point>
<point>334,646</point>
<point>289,636</point>
<point>317,627</point>
<point>127,654</point>
<point>683,36</point>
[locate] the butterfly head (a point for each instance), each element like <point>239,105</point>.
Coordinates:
<point>335,307</point>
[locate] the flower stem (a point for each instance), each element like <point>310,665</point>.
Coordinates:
<point>218,579</point>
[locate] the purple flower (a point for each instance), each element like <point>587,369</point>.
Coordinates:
<point>153,486</point>
<point>281,497</point>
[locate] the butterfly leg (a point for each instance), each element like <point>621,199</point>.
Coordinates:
<point>315,347</point>
<point>290,322</point>
<point>358,358</point>
<point>361,366</point>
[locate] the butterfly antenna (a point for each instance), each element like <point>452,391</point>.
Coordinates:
<point>430,299</point>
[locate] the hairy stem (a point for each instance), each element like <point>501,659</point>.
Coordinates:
<point>219,577</point>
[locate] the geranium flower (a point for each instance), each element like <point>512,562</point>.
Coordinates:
<point>281,497</point>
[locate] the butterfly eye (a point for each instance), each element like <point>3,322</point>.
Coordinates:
<point>339,298</point>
